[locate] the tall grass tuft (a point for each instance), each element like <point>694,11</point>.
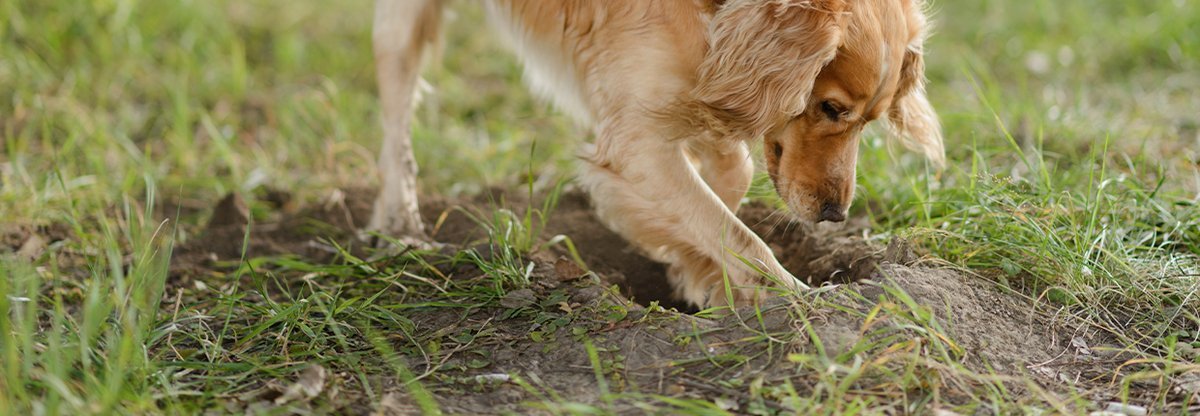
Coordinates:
<point>79,344</point>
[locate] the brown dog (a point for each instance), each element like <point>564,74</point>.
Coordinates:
<point>675,90</point>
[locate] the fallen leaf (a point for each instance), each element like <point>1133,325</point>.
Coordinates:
<point>309,385</point>
<point>1081,346</point>
<point>726,403</point>
<point>32,248</point>
<point>395,404</point>
<point>565,269</point>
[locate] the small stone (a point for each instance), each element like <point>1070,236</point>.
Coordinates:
<point>492,378</point>
<point>1115,408</point>
<point>588,294</point>
<point>518,299</point>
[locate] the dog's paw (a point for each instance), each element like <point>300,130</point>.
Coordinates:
<point>705,284</point>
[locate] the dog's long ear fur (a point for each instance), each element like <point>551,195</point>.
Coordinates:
<point>911,117</point>
<point>763,58</point>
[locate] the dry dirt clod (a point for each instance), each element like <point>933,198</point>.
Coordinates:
<point>231,211</point>
<point>518,299</point>
<point>280,200</point>
<point>32,248</point>
<point>899,251</point>
<point>588,294</point>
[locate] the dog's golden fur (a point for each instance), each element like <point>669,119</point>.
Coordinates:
<point>675,90</point>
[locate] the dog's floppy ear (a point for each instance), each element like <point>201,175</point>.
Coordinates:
<point>911,117</point>
<point>763,58</point>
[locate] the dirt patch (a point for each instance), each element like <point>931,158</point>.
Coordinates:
<point>29,242</point>
<point>975,324</point>
<point>310,232</point>
<point>817,254</point>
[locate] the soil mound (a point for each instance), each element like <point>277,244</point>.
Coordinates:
<point>984,328</point>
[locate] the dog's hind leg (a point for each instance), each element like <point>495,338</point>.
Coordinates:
<point>404,30</point>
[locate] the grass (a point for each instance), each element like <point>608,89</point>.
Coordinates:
<point>1074,180</point>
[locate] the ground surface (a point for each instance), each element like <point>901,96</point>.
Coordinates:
<point>1052,268</point>
<point>890,304</point>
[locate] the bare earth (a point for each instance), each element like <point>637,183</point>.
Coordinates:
<point>993,332</point>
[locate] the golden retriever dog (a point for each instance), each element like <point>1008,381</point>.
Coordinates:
<point>675,91</point>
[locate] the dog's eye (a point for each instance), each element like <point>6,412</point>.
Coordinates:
<point>831,110</point>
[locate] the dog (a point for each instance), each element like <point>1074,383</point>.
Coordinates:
<point>675,92</point>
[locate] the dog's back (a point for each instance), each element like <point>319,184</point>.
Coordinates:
<point>586,56</point>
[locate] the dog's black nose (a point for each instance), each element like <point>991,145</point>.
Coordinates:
<point>832,212</point>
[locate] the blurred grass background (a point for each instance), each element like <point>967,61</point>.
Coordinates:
<point>208,97</point>
<point>1072,130</point>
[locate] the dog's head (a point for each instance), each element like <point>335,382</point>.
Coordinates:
<point>807,76</point>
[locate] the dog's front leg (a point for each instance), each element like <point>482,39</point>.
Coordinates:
<point>726,167</point>
<point>648,191</point>
<point>403,30</point>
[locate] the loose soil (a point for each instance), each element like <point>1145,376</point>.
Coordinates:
<point>987,329</point>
